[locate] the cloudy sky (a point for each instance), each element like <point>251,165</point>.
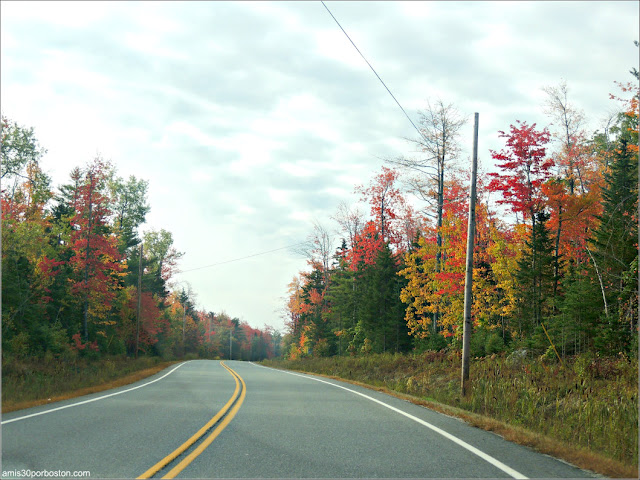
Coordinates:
<point>253,120</point>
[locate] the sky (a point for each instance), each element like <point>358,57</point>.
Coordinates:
<point>253,120</point>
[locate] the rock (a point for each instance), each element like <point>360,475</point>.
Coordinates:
<point>517,356</point>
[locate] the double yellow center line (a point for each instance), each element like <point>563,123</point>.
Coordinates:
<point>227,412</point>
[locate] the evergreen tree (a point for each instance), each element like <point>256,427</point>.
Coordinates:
<point>342,305</point>
<point>382,315</point>
<point>535,274</point>
<point>615,250</point>
<point>573,327</point>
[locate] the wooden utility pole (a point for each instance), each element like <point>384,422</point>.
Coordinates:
<point>139,309</point>
<point>468,282</point>
<point>184,321</point>
<point>210,320</point>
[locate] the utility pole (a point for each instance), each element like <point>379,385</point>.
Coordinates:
<point>139,309</point>
<point>468,282</point>
<point>230,338</point>
<point>210,319</point>
<point>184,320</point>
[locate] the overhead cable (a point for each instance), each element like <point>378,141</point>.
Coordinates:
<point>373,70</point>
<point>242,258</point>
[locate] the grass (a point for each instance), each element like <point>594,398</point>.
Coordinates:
<point>32,382</point>
<point>585,411</point>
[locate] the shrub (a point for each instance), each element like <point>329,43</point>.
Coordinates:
<point>19,345</point>
<point>477,343</point>
<point>495,344</point>
<point>54,338</point>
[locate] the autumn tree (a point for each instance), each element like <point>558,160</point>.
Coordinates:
<point>428,290</point>
<point>438,147</point>
<point>385,201</point>
<point>96,261</point>
<point>30,267</point>
<point>524,169</point>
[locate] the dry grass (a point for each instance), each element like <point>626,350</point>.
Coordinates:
<point>31,384</point>
<point>539,406</point>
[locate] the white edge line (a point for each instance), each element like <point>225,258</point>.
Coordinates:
<point>92,399</point>
<point>488,458</point>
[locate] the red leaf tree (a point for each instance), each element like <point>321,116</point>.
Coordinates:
<point>524,169</point>
<point>96,260</point>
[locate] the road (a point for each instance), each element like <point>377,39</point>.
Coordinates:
<point>278,425</point>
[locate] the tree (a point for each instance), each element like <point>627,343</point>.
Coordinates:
<point>572,197</point>
<point>160,262</point>
<point>615,248</point>
<point>20,148</point>
<point>96,260</point>
<point>385,200</point>
<point>351,222</point>
<point>440,127</point>
<point>129,207</point>
<point>342,301</point>
<point>428,290</point>
<point>320,249</point>
<point>382,310</point>
<point>535,274</point>
<point>569,121</point>
<point>524,169</point>
<point>30,267</point>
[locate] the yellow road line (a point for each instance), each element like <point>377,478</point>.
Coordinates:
<point>207,441</point>
<point>178,451</point>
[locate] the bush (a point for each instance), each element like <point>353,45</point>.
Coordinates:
<point>19,345</point>
<point>549,356</point>
<point>477,343</point>
<point>495,344</point>
<point>434,342</point>
<point>54,338</point>
<point>117,347</point>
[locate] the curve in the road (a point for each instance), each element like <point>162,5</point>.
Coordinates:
<point>225,414</point>
<point>488,458</point>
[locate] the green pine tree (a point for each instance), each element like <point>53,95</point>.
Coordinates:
<point>615,250</point>
<point>535,275</point>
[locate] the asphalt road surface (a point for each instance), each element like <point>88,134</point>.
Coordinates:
<point>248,421</point>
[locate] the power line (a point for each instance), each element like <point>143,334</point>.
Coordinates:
<point>242,258</point>
<point>373,70</point>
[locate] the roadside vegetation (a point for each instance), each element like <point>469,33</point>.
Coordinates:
<point>31,382</point>
<point>584,410</point>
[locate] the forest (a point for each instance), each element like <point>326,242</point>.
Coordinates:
<point>74,282</point>
<point>555,270</point>
<point>555,265</point>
